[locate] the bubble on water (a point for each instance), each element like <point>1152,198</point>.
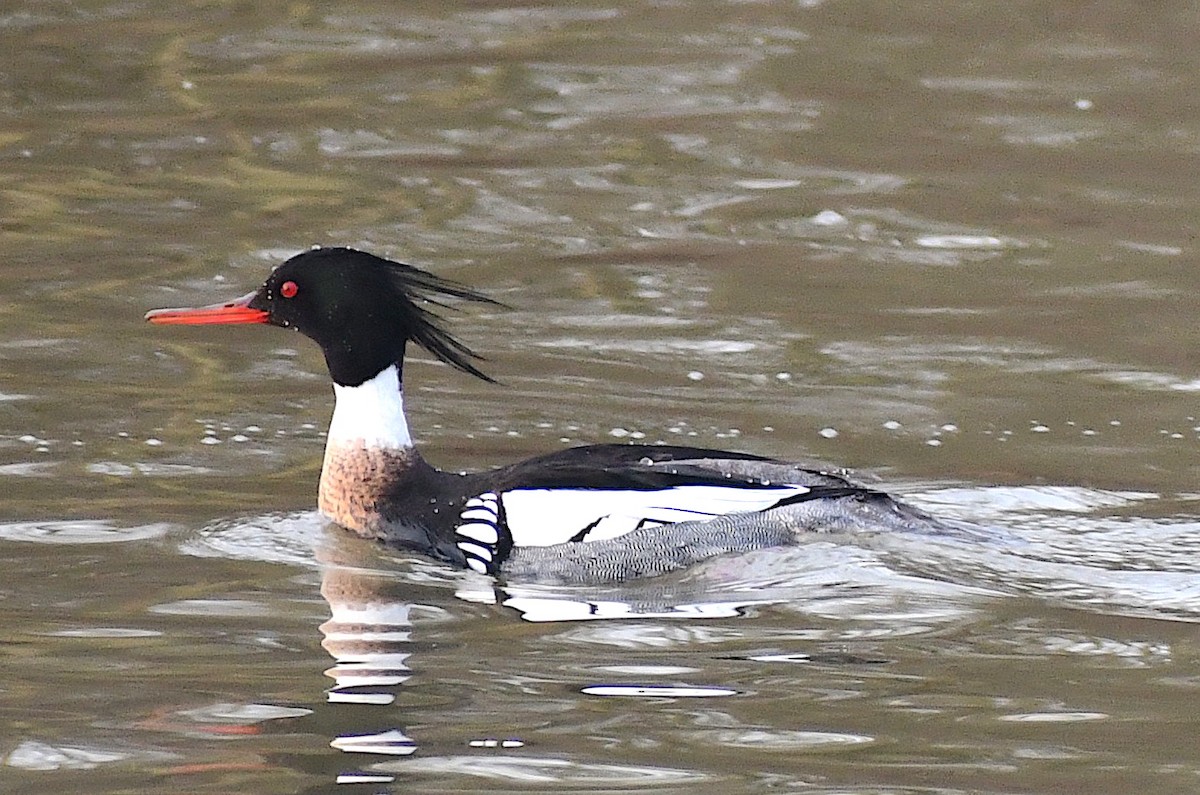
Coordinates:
<point>828,218</point>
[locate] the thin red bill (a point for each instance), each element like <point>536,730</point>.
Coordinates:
<point>235,311</point>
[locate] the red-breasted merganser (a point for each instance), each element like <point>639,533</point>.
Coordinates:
<point>585,514</point>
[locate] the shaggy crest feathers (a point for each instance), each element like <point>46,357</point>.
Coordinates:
<point>416,286</point>
<point>399,295</point>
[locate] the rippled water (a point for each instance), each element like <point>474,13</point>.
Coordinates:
<point>947,246</point>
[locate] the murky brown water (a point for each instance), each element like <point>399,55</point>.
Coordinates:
<point>949,245</point>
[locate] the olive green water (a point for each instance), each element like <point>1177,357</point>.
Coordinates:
<point>950,246</point>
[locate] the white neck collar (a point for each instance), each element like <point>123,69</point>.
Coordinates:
<point>371,414</point>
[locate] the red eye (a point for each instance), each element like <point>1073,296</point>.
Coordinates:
<point>289,289</point>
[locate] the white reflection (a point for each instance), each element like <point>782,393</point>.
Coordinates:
<point>82,531</point>
<point>542,770</point>
<point>658,691</point>
<point>780,739</point>
<point>1054,717</point>
<point>392,742</point>
<point>31,755</point>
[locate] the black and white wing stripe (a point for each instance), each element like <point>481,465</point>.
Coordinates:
<point>478,531</point>
<point>491,523</point>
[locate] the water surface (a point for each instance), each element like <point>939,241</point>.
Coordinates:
<point>948,247</point>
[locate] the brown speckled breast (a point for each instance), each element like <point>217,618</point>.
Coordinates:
<point>356,482</point>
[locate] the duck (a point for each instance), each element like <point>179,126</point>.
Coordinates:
<point>598,513</point>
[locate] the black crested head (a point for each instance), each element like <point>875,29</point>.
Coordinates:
<point>362,310</point>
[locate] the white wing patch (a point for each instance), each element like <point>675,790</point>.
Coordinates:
<point>544,517</point>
